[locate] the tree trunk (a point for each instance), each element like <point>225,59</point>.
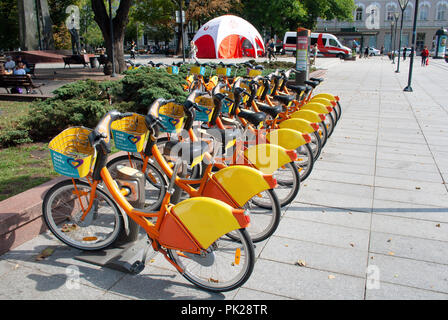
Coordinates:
<point>119,23</point>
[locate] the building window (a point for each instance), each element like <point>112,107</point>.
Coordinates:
<point>420,43</point>
<point>424,12</point>
<point>407,15</point>
<point>442,11</point>
<point>390,10</point>
<point>358,14</point>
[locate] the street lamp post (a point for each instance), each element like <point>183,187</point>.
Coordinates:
<point>403,4</point>
<point>392,23</point>
<point>396,15</point>
<point>411,63</point>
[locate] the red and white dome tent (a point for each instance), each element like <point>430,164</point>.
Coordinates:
<point>228,37</point>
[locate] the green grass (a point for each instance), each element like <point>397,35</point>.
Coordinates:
<point>11,111</point>
<point>23,168</point>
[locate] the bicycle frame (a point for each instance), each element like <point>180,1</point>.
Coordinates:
<point>171,230</point>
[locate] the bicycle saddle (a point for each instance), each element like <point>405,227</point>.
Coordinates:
<point>253,117</point>
<point>317,79</point>
<point>285,99</point>
<point>272,111</point>
<point>311,83</point>
<point>296,88</point>
<point>188,151</point>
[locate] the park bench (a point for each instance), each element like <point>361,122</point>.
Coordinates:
<point>22,81</point>
<point>75,59</point>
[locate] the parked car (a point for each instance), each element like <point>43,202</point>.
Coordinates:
<point>374,52</point>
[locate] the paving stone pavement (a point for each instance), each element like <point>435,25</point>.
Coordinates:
<point>371,221</point>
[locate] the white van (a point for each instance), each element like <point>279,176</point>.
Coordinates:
<point>327,44</point>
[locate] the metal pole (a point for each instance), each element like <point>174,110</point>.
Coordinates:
<point>112,40</point>
<point>395,41</point>
<point>411,63</point>
<point>399,41</point>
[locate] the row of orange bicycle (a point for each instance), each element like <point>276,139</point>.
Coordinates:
<point>210,176</point>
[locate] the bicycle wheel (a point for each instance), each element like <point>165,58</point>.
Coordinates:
<point>226,265</point>
<point>155,186</point>
<point>315,144</point>
<point>62,210</point>
<point>339,110</point>
<point>265,213</point>
<point>330,123</point>
<point>305,163</point>
<point>288,185</point>
<point>323,132</point>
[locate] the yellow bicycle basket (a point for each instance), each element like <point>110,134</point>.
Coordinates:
<point>72,153</point>
<point>172,117</point>
<point>129,133</point>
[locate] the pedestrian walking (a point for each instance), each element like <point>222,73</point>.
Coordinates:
<point>133,46</point>
<point>425,54</point>
<point>366,52</point>
<point>271,49</point>
<point>404,53</point>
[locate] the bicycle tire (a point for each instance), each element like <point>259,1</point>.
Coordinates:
<point>155,186</point>
<point>305,167</point>
<point>264,219</point>
<point>78,234</point>
<point>315,144</point>
<point>324,133</point>
<point>331,124</point>
<point>210,277</point>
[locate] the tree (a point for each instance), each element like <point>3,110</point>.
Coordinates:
<point>279,16</point>
<point>327,10</point>
<point>275,17</point>
<point>119,22</point>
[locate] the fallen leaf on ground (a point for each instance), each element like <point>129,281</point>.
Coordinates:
<point>438,225</point>
<point>301,263</point>
<point>389,240</point>
<point>44,254</point>
<point>331,276</point>
<point>391,253</point>
<point>418,188</point>
<point>352,244</point>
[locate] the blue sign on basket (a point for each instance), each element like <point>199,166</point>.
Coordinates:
<point>125,141</point>
<point>169,123</point>
<point>65,165</point>
<point>226,105</point>
<point>203,114</point>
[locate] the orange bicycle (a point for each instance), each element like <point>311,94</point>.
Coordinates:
<point>87,214</point>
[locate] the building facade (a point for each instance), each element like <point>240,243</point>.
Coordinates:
<point>374,24</point>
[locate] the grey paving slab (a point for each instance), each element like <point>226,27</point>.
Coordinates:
<point>303,283</point>
<point>410,227</point>
<point>335,175</point>
<point>411,185</point>
<point>410,210</point>
<point>409,247</point>
<point>410,272</point>
<point>417,196</point>
<point>339,195</point>
<point>249,294</point>
<point>327,234</point>
<point>332,216</point>
<point>25,283</point>
<point>408,174</point>
<point>388,291</point>
<point>349,261</point>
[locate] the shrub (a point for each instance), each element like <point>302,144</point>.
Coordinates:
<point>47,118</point>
